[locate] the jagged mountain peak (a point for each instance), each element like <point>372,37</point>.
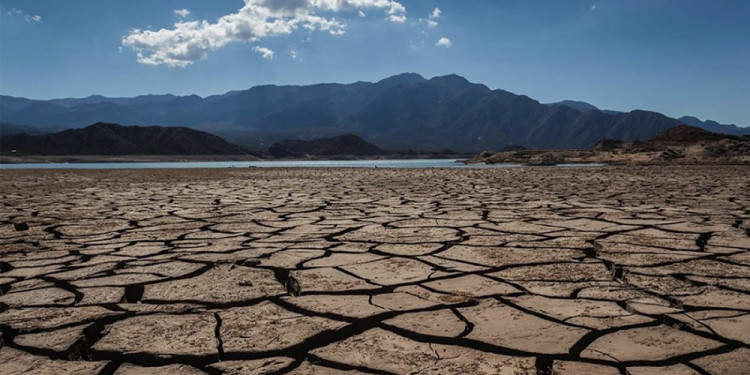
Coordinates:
<point>403,78</point>
<point>450,79</point>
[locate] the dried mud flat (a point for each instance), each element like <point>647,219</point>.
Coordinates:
<point>618,270</point>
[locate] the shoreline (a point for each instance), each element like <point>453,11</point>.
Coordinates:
<point>59,159</point>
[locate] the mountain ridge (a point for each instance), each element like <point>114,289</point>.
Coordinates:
<point>405,111</point>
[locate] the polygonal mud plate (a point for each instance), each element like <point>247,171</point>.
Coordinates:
<point>647,344</point>
<point>223,284</point>
<point>498,324</point>
<point>15,362</point>
<point>161,335</point>
<point>267,327</point>
<point>377,349</point>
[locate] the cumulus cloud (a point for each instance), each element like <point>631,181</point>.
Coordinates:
<point>396,13</point>
<point>265,52</point>
<point>396,8</point>
<point>34,18</point>
<point>190,41</point>
<point>183,13</point>
<point>444,42</point>
<point>361,14</point>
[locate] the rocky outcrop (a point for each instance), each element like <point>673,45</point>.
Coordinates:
<point>682,144</point>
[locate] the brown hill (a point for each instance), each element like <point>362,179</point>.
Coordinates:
<point>112,139</point>
<point>687,135</point>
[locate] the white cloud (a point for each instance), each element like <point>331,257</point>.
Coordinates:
<point>396,8</point>
<point>444,42</point>
<point>190,41</point>
<point>396,13</point>
<point>593,7</point>
<point>436,14</point>
<point>14,12</point>
<point>34,18</point>
<point>293,54</point>
<point>431,19</point>
<point>183,13</point>
<point>397,18</point>
<point>265,52</point>
<point>361,14</point>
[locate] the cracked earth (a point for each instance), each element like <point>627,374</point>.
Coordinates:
<point>616,270</point>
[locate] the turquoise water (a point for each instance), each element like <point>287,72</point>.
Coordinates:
<point>415,163</point>
<point>410,163</point>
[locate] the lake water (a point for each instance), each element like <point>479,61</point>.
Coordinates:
<point>409,163</point>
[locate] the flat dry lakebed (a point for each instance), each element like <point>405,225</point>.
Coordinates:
<point>614,270</point>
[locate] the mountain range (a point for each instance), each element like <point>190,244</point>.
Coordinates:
<point>402,112</point>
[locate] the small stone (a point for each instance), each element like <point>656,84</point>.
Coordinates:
<point>292,286</point>
<point>21,226</point>
<point>250,263</point>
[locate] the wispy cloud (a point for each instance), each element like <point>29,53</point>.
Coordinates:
<point>265,52</point>
<point>444,42</point>
<point>28,17</point>
<point>593,7</point>
<point>190,41</point>
<point>294,55</point>
<point>183,13</point>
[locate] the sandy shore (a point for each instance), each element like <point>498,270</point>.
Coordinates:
<point>615,270</point>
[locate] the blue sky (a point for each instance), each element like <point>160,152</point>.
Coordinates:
<point>678,57</point>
